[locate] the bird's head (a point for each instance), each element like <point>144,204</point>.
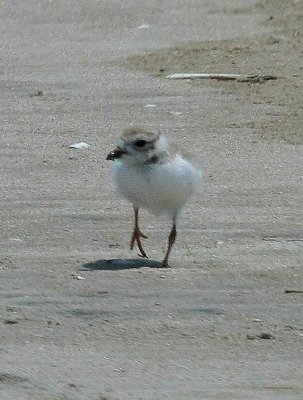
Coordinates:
<point>138,146</point>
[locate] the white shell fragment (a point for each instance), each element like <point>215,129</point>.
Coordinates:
<point>78,277</point>
<point>144,26</point>
<point>175,113</point>
<point>150,106</point>
<point>15,239</point>
<point>80,145</point>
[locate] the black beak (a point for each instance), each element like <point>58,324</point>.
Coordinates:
<point>116,153</point>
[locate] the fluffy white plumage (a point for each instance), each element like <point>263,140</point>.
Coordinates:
<point>159,188</point>
<point>150,177</point>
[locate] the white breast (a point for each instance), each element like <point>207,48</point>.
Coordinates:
<point>160,188</point>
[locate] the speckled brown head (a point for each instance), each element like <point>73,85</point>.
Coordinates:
<point>134,134</point>
<point>138,144</point>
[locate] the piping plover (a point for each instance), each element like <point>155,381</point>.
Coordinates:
<point>150,177</point>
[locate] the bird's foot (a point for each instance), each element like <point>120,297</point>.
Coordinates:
<point>136,238</point>
<point>163,264</point>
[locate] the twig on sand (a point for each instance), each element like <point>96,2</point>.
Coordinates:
<point>293,291</point>
<point>225,77</point>
<point>280,239</point>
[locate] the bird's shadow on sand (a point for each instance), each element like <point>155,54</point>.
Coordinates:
<point>120,264</point>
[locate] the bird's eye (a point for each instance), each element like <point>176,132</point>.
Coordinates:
<point>140,143</point>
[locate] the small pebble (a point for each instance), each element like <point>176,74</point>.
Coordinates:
<point>265,335</point>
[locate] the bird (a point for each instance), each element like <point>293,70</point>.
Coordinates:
<point>151,177</point>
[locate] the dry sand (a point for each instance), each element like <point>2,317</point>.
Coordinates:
<point>226,321</point>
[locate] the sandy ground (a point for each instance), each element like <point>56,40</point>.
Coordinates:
<point>225,322</point>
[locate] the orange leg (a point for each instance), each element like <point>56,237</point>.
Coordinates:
<point>171,241</point>
<point>137,235</point>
